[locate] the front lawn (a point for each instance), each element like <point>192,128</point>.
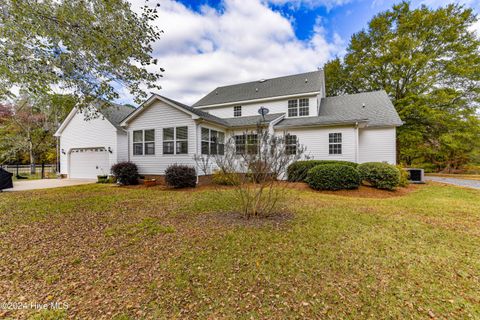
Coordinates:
<point>130,253</point>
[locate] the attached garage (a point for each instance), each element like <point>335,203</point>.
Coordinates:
<point>90,145</point>
<point>88,163</point>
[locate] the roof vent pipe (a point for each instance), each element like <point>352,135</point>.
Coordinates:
<point>256,89</point>
<point>306,80</point>
<point>363,105</point>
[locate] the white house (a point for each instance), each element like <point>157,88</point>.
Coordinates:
<point>91,142</point>
<point>358,127</point>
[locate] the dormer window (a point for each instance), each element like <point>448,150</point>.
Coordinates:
<point>299,107</point>
<point>237,111</point>
<point>303,107</point>
<point>293,108</point>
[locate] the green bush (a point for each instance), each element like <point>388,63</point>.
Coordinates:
<point>380,175</point>
<point>403,182</point>
<point>105,179</point>
<point>333,177</point>
<point>125,173</point>
<point>225,179</point>
<point>181,176</point>
<point>297,171</point>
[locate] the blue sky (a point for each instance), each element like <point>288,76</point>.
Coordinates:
<point>210,43</point>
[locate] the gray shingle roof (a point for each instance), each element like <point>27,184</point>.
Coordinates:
<point>289,85</point>
<point>378,111</point>
<point>115,113</point>
<point>251,120</point>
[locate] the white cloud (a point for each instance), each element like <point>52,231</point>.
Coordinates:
<point>476,27</point>
<point>244,40</point>
<point>329,4</point>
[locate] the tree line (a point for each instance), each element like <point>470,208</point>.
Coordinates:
<point>428,62</point>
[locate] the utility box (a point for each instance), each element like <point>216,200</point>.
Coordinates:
<point>5,179</point>
<point>415,175</point>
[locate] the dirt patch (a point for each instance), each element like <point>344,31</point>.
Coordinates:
<point>236,219</point>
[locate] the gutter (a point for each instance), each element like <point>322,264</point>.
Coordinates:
<point>230,103</point>
<point>329,124</point>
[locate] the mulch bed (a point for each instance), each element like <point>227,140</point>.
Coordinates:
<point>361,192</point>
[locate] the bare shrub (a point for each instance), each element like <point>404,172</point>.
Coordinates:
<point>258,165</point>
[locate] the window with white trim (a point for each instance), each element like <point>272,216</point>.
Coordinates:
<point>168,140</point>
<point>181,138</point>
<point>299,107</point>
<point>213,141</point>
<point>290,144</point>
<point>237,111</point>
<point>143,142</point>
<point>240,144</point>
<point>293,108</point>
<point>175,140</point>
<point>246,144</point>
<point>303,107</point>
<point>334,143</point>
<point>149,141</point>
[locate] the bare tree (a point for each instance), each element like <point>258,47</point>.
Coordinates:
<point>203,162</point>
<point>258,160</point>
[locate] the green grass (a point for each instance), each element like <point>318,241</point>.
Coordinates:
<point>150,253</point>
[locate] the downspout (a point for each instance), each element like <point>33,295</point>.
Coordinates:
<point>197,128</point>
<point>128,145</point>
<point>356,143</point>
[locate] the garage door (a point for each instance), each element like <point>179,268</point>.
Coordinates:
<point>88,163</point>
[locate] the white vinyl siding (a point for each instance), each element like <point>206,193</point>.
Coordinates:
<point>122,146</point>
<point>93,133</point>
<point>251,109</point>
<point>316,141</point>
<point>377,144</point>
<point>158,116</point>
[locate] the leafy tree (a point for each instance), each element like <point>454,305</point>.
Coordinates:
<point>428,62</point>
<point>28,125</point>
<point>88,47</point>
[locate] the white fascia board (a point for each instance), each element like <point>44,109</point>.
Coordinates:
<point>64,124</point>
<point>147,103</point>
<point>258,100</point>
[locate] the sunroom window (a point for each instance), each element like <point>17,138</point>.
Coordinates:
<point>213,141</point>
<point>175,140</point>
<point>144,142</point>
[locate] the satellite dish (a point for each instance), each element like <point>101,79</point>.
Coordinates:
<point>263,111</point>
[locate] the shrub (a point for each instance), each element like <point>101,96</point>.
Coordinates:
<point>333,177</point>
<point>126,173</point>
<point>181,176</point>
<point>403,181</point>
<point>380,175</point>
<point>225,178</point>
<point>297,171</point>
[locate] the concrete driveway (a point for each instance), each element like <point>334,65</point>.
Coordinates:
<point>458,182</point>
<point>24,185</point>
